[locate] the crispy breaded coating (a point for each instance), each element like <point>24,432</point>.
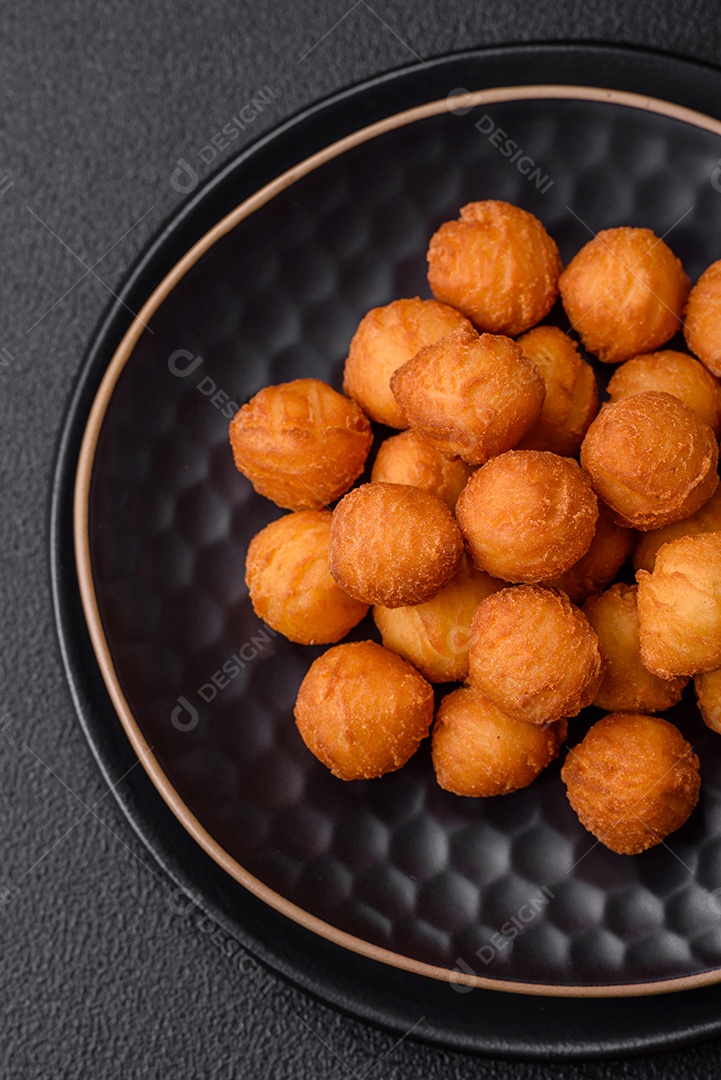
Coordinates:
<point>481,752</point>
<point>708,696</point>
<point>651,459</point>
<point>675,373</point>
<point>624,293</point>
<point>408,459</point>
<point>393,545</point>
<point>702,320</point>
<point>527,515</point>
<point>611,546</point>
<point>287,574</point>
<point>496,264</point>
<point>534,654</point>
<point>471,397</point>
<point>435,635</point>
<point>707,519</point>
<point>679,607</point>
<point>387,337</point>
<point>362,710</point>
<point>301,444</point>
<point>627,685</point>
<point>632,781</point>
<point>571,401</point>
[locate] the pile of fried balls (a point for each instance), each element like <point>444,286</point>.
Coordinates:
<point>496,521</point>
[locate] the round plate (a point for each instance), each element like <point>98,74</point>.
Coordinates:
<point>509,893</point>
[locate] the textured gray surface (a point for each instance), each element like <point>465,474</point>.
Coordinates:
<point>100,977</point>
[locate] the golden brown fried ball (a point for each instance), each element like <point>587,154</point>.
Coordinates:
<point>497,265</point>
<point>301,444</point>
<point>286,571</point>
<point>708,696</point>
<point>386,338</point>
<point>362,710</point>
<point>534,655</point>
<point>632,781</point>
<point>409,459</point>
<point>707,519</point>
<point>679,607</point>
<point>624,293</point>
<point>471,397</point>
<point>571,392</point>
<point>651,459</point>
<point>527,515</point>
<point>675,373</point>
<point>478,751</point>
<point>434,636</point>
<point>393,545</point>
<point>702,328</point>
<point>594,571</point>
<point>627,684</point>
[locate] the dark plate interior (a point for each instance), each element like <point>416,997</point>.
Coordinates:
<point>396,862</point>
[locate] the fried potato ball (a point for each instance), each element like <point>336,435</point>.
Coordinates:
<point>632,781</point>
<point>624,293</point>
<point>534,655</point>
<point>286,571</point>
<point>497,265</point>
<point>707,519</point>
<point>527,515</point>
<point>385,339</point>
<point>651,459</point>
<point>301,444</point>
<point>627,685</point>
<point>434,636</point>
<point>471,397</point>
<point>393,545</point>
<point>478,751</point>
<point>679,607</point>
<point>571,392</point>
<point>409,459</point>
<point>594,571</point>
<point>702,328</point>
<point>708,696</point>
<point>362,710</point>
<point>675,373</point>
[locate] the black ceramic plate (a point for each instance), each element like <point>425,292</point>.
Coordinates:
<point>395,869</point>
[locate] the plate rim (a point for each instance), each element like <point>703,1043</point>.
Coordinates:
<point>461,99</point>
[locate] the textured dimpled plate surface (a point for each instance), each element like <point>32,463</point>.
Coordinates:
<point>508,888</point>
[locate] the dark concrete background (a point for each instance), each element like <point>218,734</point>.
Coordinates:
<point>99,977</point>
